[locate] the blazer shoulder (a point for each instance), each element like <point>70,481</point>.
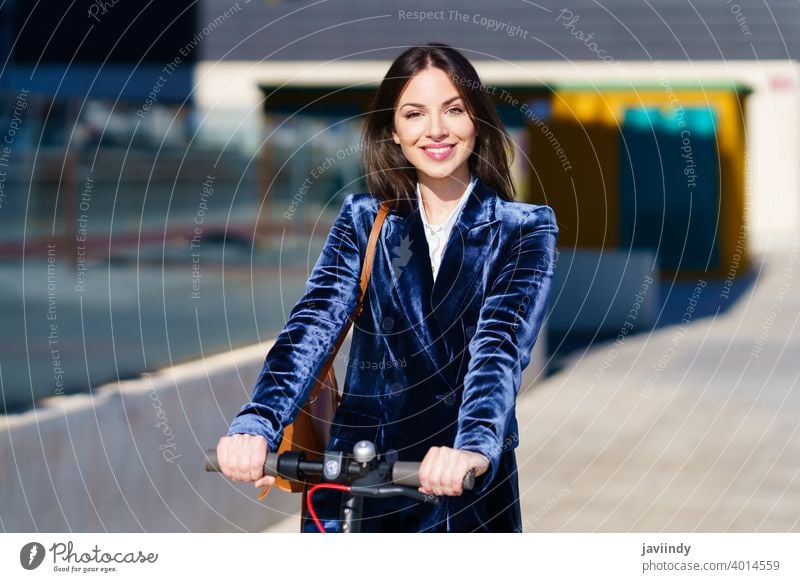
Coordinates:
<point>526,215</point>
<point>363,208</point>
<point>365,199</point>
<point>362,202</point>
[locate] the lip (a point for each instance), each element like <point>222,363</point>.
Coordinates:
<point>440,155</point>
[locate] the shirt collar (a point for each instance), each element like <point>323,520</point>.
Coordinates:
<point>453,214</point>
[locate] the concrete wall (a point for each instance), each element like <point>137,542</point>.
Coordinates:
<point>128,457</point>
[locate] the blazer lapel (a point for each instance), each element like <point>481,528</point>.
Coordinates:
<point>411,279</point>
<point>431,307</point>
<point>465,254</point>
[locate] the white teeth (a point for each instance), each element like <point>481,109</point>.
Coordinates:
<point>439,150</point>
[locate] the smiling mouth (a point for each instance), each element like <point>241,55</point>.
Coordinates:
<point>439,153</point>
<point>443,149</point>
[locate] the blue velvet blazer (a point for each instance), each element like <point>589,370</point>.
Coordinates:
<point>430,364</point>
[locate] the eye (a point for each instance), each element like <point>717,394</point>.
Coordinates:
<point>457,110</point>
<point>411,114</point>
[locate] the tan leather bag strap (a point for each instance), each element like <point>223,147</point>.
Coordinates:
<point>366,271</point>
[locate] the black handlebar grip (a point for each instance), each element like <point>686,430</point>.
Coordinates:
<point>469,480</point>
<point>270,463</point>
<point>211,460</point>
<point>407,473</point>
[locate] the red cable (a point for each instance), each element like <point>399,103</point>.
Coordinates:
<point>311,491</point>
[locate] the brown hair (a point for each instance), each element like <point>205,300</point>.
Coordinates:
<point>388,174</point>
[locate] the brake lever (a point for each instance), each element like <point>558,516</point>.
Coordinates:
<point>391,491</point>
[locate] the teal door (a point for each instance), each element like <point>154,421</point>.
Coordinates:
<point>669,191</point>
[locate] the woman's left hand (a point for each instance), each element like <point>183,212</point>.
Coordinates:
<point>442,470</point>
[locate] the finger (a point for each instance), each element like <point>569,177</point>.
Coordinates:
<point>452,474</point>
<point>452,478</point>
<point>242,458</point>
<point>266,480</point>
<point>226,457</point>
<point>222,457</point>
<point>454,486</point>
<point>255,463</point>
<point>437,472</point>
<point>425,470</point>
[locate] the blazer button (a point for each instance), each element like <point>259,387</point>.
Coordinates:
<point>448,398</point>
<point>387,324</point>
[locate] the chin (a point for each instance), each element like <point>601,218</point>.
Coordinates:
<point>435,174</point>
<point>438,172</point>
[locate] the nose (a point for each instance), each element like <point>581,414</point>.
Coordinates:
<point>437,129</point>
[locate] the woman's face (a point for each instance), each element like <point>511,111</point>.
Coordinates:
<point>432,126</point>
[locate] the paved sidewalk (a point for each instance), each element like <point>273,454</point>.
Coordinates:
<point>685,429</point>
<point>693,428</point>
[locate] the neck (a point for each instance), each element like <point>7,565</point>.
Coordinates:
<point>440,195</point>
<point>446,189</point>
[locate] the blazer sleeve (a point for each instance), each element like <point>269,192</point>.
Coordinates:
<point>508,324</point>
<point>308,337</point>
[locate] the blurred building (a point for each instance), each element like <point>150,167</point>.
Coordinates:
<point>664,126</point>
<point>665,136</point>
<point>97,51</point>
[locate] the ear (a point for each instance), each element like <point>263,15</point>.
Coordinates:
<point>395,137</point>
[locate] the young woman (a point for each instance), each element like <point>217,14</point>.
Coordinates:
<point>460,284</point>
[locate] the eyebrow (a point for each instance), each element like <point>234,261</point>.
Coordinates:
<point>421,105</point>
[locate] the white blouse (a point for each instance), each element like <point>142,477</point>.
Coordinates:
<point>437,235</point>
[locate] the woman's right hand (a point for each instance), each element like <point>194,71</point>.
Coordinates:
<point>241,458</point>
